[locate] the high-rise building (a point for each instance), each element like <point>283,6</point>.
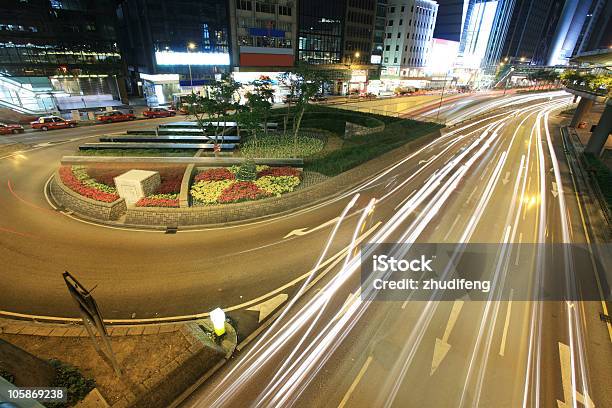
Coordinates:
<point>483,33</point>
<point>408,36</point>
<point>167,42</point>
<point>359,31</point>
<point>526,30</point>
<point>338,36</point>
<point>379,32</point>
<point>451,15</point>
<point>263,33</point>
<point>59,46</point>
<point>596,32</point>
<point>574,16</point>
<point>321,28</point>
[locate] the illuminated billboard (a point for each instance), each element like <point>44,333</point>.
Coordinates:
<point>191,58</point>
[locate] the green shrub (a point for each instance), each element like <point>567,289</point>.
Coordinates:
<point>602,175</point>
<point>247,171</point>
<point>7,376</point>
<point>69,377</point>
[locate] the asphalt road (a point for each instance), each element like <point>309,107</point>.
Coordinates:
<point>488,179</point>
<point>330,349</point>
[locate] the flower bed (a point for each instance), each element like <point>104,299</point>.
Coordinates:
<point>166,195</point>
<point>78,181</point>
<point>159,200</point>
<point>228,185</point>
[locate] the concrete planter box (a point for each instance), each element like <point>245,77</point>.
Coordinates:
<point>87,207</point>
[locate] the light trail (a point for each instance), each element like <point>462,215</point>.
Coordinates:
<point>433,194</point>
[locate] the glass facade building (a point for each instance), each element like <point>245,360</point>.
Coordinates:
<point>190,38</point>
<point>321,29</point>
<point>46,38</point>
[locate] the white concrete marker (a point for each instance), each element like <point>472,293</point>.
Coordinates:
<point>442,347</point>
<point>566,379</point>
<point>268,306</point>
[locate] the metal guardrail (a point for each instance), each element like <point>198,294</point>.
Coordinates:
<point>572,141</point>
<point>198,161</point>
<point>153,145</point>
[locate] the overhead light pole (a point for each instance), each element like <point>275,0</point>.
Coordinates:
<point>190,46</point>
<point>508,80</point>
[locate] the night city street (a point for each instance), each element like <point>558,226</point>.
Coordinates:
<point>355,203</point>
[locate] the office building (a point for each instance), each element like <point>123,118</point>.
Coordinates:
<point>526,31</point>
<point>263,33</point>
<point>379,32</point>
<point>450,19</point>
<point>59,55</point>
<point>165,44</point>
<point>484,33</point>
<point>596,32</point>
<point>359,31</point>
<point>408,36</point>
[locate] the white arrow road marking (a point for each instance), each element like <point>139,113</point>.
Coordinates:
<point>428,160</point>
<point>442,347</point>
<point>352,298</point>
<point>304,231</point>
<point>569,391</point>
<point>506,178</point>
<point>267,307</point>
<point>555,190</point>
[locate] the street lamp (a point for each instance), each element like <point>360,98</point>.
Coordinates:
<point>507,80</point>
<point>190,46</point>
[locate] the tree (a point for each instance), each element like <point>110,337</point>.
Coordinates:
<point>221,97</point>
<point>304,83</point>
<point>253,115</point>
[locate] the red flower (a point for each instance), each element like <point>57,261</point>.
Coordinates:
<point>69,180</point>
<point>241,191</point>
<point>157,202</point>
<point>279,171</point>
<point>217,174</point>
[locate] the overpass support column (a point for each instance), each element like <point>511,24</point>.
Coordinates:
<point>583,107</point>
<point>602,131</point>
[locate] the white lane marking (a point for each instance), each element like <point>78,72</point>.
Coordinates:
<point>518,249</point>
<point>502,347</point>
<point>452,227</point>
<point>404,200</point>
<point>472,194</point>
<point>570,395</point>
<point>355,382</point>
<point>266,307</point>
<point>304,231</point>
<point>442,346</point>
<point>329,263</point>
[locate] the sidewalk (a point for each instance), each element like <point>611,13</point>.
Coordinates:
<point>158,362</point>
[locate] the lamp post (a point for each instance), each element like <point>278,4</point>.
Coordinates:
<point>508,80</point>
<point>190,46</point>
<point>441,96</point>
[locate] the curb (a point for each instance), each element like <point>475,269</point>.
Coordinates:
<point>346,181</point>
<point>228,354</point>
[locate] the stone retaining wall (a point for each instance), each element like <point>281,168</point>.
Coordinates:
<point>85,206</point>
<point>221,214</point>
<point>353,129</point>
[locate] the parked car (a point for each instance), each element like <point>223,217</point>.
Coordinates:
<point>52,122</point>
<point>319,98</point>
<point>159,112</point>
<point>6,129</point>
<point>115,116</point>
<point>291,99</point>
